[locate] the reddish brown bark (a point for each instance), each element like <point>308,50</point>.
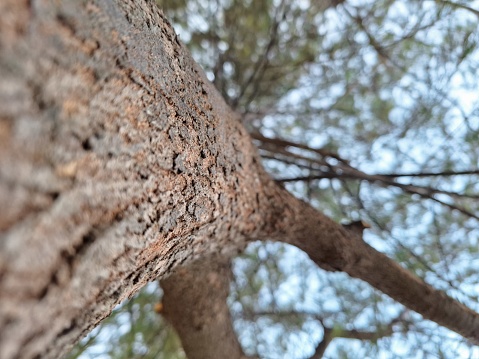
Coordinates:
<point>119,162</point>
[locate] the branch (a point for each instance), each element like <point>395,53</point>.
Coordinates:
<point>389,175</point>
<point>334,248</point>
<point>332,333</point>
<point>323,344</point>
<point>195,303</point>
<point>262,63</point>
<point>431,174</point>
<point>382,331</point>
<point>460,6</point>
<point>285,143</point>
<point>344,170</point>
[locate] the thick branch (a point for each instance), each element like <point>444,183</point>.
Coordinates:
<point>195,303</point>
<point>336,249</point>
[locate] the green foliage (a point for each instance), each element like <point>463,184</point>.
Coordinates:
<point>133,330</point>
<point>253,51</point>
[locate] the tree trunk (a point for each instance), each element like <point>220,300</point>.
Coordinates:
<point>119,162</point>
<point>195,303</point>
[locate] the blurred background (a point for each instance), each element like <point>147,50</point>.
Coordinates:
<point>368,110</point>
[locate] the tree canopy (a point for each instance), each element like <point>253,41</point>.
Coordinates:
<point>369,111</point>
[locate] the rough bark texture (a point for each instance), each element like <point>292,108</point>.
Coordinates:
<point>119,162</point>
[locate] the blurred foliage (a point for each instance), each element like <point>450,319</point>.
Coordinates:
<point>134,330</point>
<point>391,86</point>
<point>253,51</point>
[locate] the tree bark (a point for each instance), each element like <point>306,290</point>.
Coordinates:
<point>119,162</point>
<point>195,303</point>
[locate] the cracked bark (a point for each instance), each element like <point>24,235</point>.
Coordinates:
<point>119,163</point>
